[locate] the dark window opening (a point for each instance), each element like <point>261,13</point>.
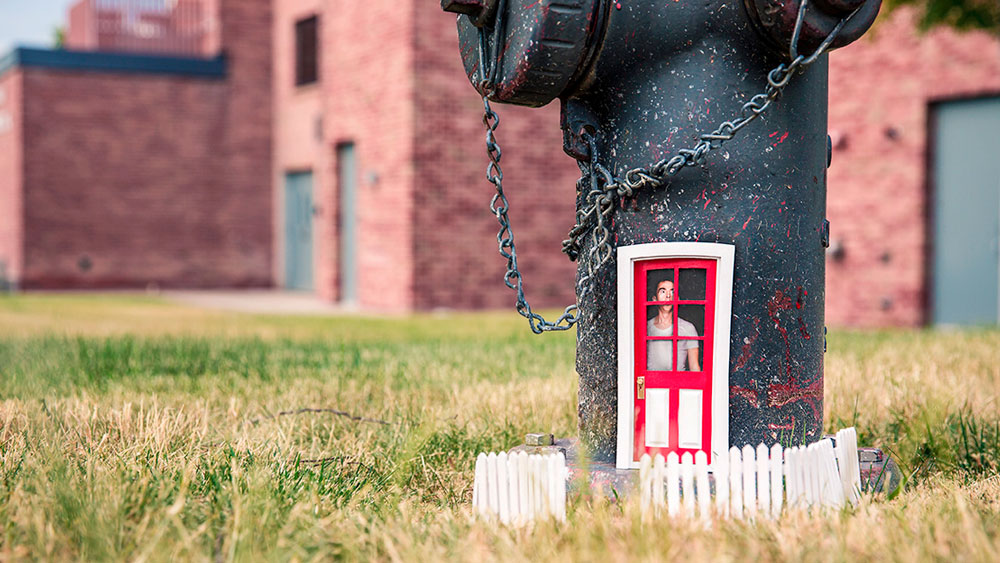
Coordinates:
<point>306,51</point>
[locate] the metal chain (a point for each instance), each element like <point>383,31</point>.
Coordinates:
<point>593,216</point>
<point>505,236</point>
<point>499,204</point>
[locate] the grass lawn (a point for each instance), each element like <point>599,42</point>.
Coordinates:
<point>134,429</point>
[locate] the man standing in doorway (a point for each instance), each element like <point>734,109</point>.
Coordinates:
<point>659,353</point>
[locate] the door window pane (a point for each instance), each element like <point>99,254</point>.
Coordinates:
<point>660,354</point>
<point>690,353</point>
<point>692,284</point>
<point>691,320</point>
<point>660,285</point>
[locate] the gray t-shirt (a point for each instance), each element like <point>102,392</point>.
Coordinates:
<point>659,356</point>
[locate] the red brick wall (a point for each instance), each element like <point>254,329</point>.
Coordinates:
<point>245,29</point>
<point>152,179</point>
<point>367,89</point>
<point>11,233</point>
<point>455,250</point>
<point>880,88</point>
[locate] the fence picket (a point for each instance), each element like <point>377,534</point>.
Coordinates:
<point>534,483</point>
<point>645,482</point>
<point>806,477</point>
<point>776,482</point>
<point>659,474</point>
<point>514,488</point>
<point>687,484</point>
<point>477,486</point>
<point>554,480</point>
<point>788,471</point>
<point>825,494</point>
<point>855,467</point>
<point>560,483</point>
<point>503,487</point>
<point>673,484</point>
<point>518,503</point>
<point>703,490</point>
<point>736,482</point>
<point>749,481</point>
<point>847,459</point>
<point>816,473</point>
<point>722,484</point>
<point>840,448</point>
<point>763,481</point>
<point>835,486</point>
<point>796,495</point>
<point>523,494</point>
<point>493,498</point>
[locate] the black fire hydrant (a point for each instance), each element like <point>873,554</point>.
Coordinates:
<point>697,122</point>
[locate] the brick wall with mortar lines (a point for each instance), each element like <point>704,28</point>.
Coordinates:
<point>367,92</point>
<point>245,31</point>
<point>119,191</point>
<point>455,248</point>
<point>880,88</point>
<point>298,131</point>
<point>11,227</point>
<point>139,179</point>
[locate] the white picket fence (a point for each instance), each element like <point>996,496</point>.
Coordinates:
<point>749,482</point>
<point>754,482</point>
<point>519,487</point>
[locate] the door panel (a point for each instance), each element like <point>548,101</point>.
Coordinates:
<point>689,418</point>
<point>658,418</point>
<point>347,183</point>
<point>299,231</point>
<point>966,211</point>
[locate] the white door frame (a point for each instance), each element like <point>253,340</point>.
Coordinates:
<point>627,257</point>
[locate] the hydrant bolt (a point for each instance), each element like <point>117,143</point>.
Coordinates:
<point>467,7</point>
<point>480,12</point>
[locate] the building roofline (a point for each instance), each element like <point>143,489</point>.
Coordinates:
<point>97,61</point>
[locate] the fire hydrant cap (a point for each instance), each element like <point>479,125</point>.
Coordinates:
<point>775,19</point>
<point>543,45</point>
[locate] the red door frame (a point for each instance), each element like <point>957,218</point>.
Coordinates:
<point>673,380</point>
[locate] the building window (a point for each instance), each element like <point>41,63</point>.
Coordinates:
<point>306,51</point>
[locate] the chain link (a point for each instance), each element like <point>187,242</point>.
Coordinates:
<point>593,217</point>
<point>505,236</point>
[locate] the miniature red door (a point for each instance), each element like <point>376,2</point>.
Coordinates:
<point>674,314</point>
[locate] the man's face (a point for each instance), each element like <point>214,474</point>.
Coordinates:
<point>665,292</point>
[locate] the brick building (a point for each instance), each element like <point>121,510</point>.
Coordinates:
<point>139,167</point>
<point>886,94</point>
<point>338,148</point>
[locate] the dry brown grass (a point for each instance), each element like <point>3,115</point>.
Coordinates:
<point>132,429</point>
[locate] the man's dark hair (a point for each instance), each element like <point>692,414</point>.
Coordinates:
<point>653,279</point>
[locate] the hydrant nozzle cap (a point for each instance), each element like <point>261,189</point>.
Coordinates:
<point>479,11</point>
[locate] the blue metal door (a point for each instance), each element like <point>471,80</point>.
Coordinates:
<point>966,212</point>
<point>299,230</point>
<point>347,182</point>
